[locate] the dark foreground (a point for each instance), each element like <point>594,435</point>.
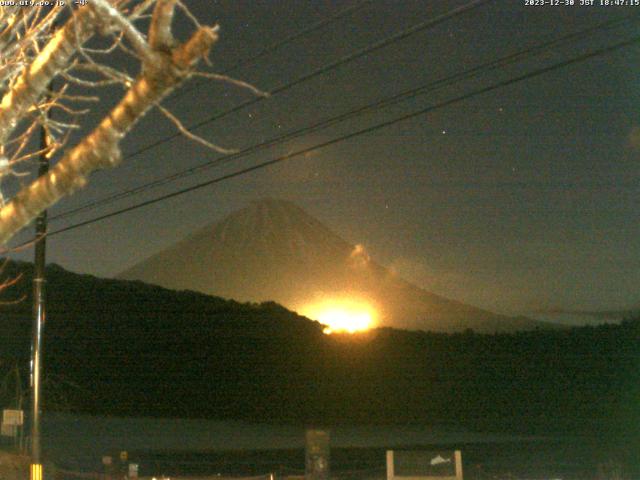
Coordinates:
<point>576,459</point>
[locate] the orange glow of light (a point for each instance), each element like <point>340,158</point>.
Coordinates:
<point>342,315</point>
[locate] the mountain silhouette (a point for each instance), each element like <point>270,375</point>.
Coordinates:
<point>272,250</point>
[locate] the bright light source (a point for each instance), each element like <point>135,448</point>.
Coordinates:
<point>341,315</point>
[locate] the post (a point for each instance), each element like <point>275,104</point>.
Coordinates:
<point>39,316</point>
<point>317,454</point>
<point>458,457</point>
<point>390,468</point>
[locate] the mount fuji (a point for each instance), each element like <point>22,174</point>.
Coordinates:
<point>272,250</point>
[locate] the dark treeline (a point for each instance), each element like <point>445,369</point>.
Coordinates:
<point>126,348</point>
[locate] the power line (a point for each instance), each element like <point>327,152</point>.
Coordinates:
<point>346,59</point>
<point>324,69</point>
<point>348,136</point>
<point>447,81</point>
<point>247,62</point>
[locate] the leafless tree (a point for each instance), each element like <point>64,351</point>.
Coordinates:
<point>40,44</point>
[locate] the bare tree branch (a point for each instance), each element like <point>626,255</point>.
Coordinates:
<point>234,81</point>
<point>32,84</point>
<point>112,18</point>
<point>163,69</point>
<point>192,136</point>
<point>160,36</point>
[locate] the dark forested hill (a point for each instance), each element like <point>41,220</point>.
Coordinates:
<point>122,347</point>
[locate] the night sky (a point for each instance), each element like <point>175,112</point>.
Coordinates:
<point>519,199</point>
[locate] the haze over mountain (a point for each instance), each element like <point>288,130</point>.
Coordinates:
<point>274,250</point>
<point>612,315</point>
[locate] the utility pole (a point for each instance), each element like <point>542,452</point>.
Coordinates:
<point>39,315</point>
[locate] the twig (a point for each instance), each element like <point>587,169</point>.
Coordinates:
<point>190,135</point>
<point>110,16</point>
<point>233,81</point>
<point>188,13</point>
